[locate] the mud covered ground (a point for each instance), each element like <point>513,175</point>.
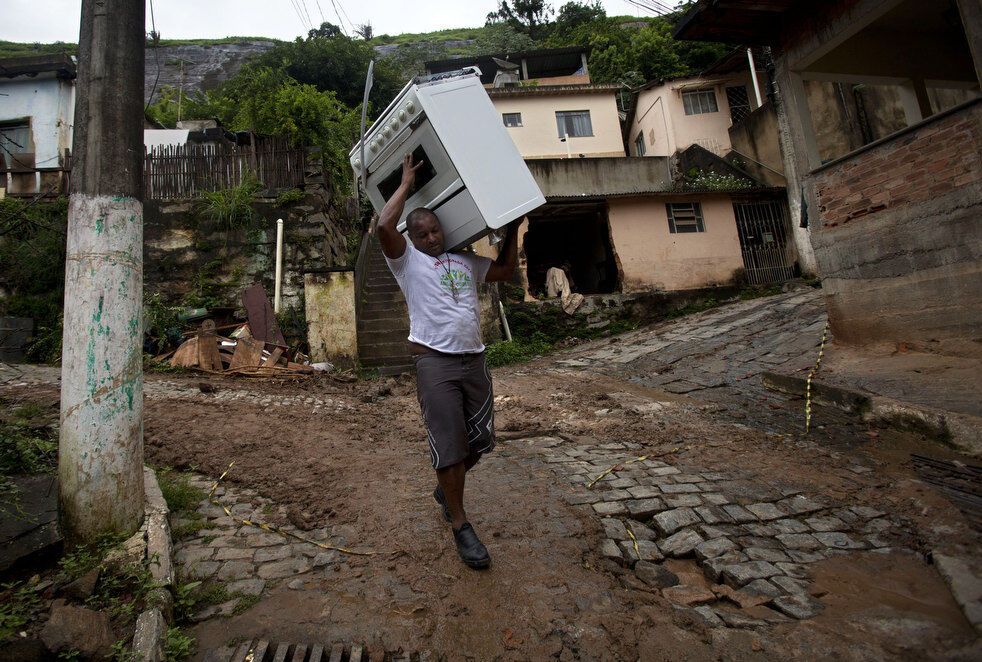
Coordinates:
<point>351,458</point>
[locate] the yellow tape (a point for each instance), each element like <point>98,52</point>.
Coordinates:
<point>811,375</point>
<point>634,540</point>
<point>608,471</point>
<point>272,528</point>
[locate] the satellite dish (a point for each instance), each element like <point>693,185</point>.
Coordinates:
<point>505,64</point>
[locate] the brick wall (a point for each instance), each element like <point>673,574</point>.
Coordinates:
<point>930,161</point>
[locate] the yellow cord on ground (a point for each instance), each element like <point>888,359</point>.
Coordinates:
<point>634,541</point>
<point>608,471</point>
<point>811,375</point>
<point>272,528</point>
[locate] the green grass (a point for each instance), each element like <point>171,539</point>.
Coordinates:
<point>19,605</point>
<point>181,496</point>
<point>27,444</point>
<point>178,646</point>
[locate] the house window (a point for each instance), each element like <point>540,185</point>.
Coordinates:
<point>698,102</point>
<point>15,138</point>
<point>685,217</point>
<point>574,123</point>
<point>639,144</point>
<point>512,119</point>
<point>739,102</point>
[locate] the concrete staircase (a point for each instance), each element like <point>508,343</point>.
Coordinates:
<point>383,318</point>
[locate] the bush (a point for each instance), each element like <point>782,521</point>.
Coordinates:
<point>231,208</point>
<point>514,351</point>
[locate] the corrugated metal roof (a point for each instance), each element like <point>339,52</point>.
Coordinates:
<point>540,90</point>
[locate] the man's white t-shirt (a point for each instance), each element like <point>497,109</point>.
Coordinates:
<point>437,319</point>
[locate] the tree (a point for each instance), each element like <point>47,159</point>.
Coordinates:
<point>502,38</point>
<point>528,16</point>
<point>574,16</point>
<point>365,31</point>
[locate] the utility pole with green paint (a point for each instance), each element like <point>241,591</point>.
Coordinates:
<point>100,455</point>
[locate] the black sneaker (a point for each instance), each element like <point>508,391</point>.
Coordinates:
<point>442,500</point>
<point>469,547</point>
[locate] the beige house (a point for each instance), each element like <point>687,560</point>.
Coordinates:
<point>615,222</point>
<point>671,115</point>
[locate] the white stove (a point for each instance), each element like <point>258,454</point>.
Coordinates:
<point>474,179</point>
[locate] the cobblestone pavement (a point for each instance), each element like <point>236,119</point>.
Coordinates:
<point>717,355</point>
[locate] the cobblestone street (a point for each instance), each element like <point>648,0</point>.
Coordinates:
<point>649,499</point>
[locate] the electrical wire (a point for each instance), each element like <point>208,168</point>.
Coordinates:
<point>310,21</point>
<point>156,58</point>
<point>323,20</point>
<point>296,10</point>
<point>346,17</point>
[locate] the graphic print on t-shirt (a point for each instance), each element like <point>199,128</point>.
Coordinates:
<point>453,280</point>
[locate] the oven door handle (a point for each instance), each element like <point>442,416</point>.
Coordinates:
<point>455,186</point>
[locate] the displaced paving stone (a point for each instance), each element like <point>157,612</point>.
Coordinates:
<point>614,528</point>
<point>611,550</point>
<point>615,495</point>
<point>688,595</point>
<point>235,570</point>
<point>644,508</point>
<point>790,585</point>
<point>799,556</point>
<point>760,530</point>
<point>286,568</point>
<point>251,586</point>
<point>790,526</point>
<point>647,551</point>
<point>713,515</point>
<point>709,616</point>
<point>739,621</point>
<point>866,513</point>
<point>641,532</point>
<point>765,554</point>
<point>610,508</point>
<point>679,489</point>
<point>800,541</point>
<point>713,568</point>
<point>838,540</point>
<point>654,575</point>
<point>715,499</point>
<point>739,513</point>
<point>710,549</point>
<point>795,570</point>
<point>683,501</point>
<point>798,606</point>
<point>645,492</point>
<point>718,530</point>
<point>824,524</point>
<point>623,483</point>
<point>766,511</point>
<point>681,544</point>
<point>739,575</point>
<point>272,554</point>
<point>799,505</point>
<point>756,541</point>
<point>764,587</point>
<point>670,521</point>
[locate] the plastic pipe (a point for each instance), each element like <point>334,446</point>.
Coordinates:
<point>279,265</point>
<point>753,77</point>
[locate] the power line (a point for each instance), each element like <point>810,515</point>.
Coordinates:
<point>296,10</point>
<point>323,20</point>
<point>338,13</point>
<point>343,11</point>
<point>309,20</point>
<point>156,57</point>
<point>656,8</point>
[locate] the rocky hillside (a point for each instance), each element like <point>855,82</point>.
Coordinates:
<point>199,65</point>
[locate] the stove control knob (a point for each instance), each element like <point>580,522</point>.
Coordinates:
<point>410,107</point>
<point>374,145</point>
<point>387,132</point>
<point>357,164</point>
<point>394,126</point>
<point>403,115</point>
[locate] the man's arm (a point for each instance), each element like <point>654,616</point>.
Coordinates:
<point>393,243</point>
<point>504,267</point>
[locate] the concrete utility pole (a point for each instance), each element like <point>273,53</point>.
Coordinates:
<point>100,457</point>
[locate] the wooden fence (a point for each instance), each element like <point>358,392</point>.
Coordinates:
<point>174,172</point>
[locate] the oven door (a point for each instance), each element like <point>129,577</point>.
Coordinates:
<point>436,181</point>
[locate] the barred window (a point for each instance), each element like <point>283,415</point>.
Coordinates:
<point>685,217</point>
<point>639,144</point>
<point>698,102</point>
<point>512,119</point>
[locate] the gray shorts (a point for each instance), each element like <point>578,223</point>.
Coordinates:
<point>457,402</point>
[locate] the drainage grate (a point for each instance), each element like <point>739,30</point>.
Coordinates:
<point>259,650</point>
<point>959,482</point>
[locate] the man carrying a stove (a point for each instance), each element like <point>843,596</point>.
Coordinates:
<point>452,379</point>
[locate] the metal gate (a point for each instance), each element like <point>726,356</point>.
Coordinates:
<point>765,238</point>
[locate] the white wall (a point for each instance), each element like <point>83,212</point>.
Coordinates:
<point>50,105</point>
<point>660,114</point>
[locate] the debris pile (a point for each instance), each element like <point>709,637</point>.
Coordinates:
<point>254,348</point>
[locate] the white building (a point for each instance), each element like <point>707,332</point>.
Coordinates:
<point>37,108</point>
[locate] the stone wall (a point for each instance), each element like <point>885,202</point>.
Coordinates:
<point>332,326</point>
<point>900,242</point>
<point>193,260</point>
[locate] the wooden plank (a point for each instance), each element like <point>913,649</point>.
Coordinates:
<point>240,653</point>
<point>281,651</point>
<point>273,357</point>
<point>208,356</point>
<point>259,652</point>
<point>316,653</point>
<point>299,653</point>
<point>248,352</point>
<point>337,652</point>
<point>186,355</point>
